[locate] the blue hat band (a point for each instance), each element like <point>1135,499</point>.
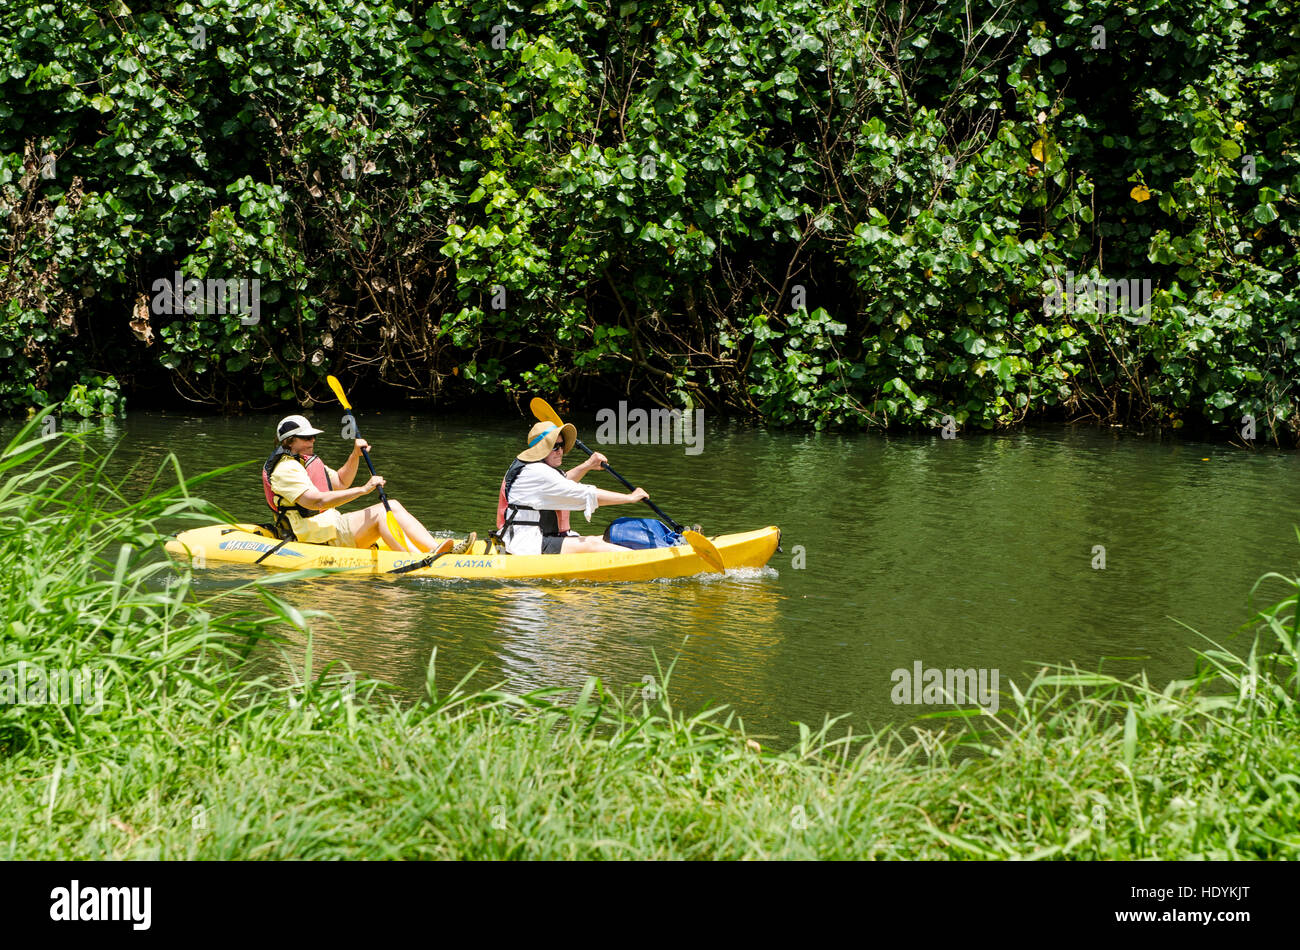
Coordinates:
<point>542,436</point>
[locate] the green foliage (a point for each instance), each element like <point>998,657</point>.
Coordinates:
<point>95,396</point>
<point>825,212</point>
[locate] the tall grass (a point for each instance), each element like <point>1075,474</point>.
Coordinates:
<point>192,758</point>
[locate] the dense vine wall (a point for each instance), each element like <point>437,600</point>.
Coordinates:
<point>822,212</point>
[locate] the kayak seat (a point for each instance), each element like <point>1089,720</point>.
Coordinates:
<point>280,529</point>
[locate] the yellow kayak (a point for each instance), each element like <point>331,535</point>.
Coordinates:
<point>254,544</point>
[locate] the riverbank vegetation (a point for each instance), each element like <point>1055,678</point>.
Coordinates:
<point>816,212</point>
<point>174,751</point>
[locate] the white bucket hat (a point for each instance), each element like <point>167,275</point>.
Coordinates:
<point>295,425</point>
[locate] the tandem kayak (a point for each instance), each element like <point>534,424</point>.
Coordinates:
<point>255,544</point>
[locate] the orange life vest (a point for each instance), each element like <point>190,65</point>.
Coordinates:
<point>316,471</point>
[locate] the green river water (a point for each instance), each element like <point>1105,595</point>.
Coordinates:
<point>975,552</point>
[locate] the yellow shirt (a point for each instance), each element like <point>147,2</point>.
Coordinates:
<point>290,480</point>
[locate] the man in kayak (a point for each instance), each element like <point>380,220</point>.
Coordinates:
<point>305,495</point>
<point>536,497</point>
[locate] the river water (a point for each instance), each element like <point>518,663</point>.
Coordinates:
<point>980,552</point>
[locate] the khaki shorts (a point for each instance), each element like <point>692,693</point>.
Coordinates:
<point>330,526</point>
<point>344,538</point>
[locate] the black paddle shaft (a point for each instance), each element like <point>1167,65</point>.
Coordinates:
<point>370,465</point>
<point>657,510</point>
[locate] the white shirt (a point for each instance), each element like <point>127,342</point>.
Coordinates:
<point>544,488</point>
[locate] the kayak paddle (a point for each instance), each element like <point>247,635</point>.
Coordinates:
<point>393,526</point>
<point>702,545</point>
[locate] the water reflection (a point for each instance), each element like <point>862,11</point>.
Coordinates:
<point>561,635</point>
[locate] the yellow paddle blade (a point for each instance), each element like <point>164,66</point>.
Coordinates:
<point>544,412</point>
<point>705,549</point>
<point>338,391</point>
<point>396,529</point>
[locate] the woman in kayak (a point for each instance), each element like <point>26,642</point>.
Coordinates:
<point>305,495</point>
<point>536,497</point>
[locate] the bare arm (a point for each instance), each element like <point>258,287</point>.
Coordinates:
<point>548,489</point>
<point>321,500</point>
<point>595,460</point>
<point>604,497</point>
<point>348,471</point>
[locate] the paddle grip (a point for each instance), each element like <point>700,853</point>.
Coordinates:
<point>655,508</point>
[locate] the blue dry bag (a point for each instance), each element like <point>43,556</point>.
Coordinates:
<point>642,533</point>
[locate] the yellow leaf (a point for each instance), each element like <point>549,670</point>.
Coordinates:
<point>1139,193</point>
<point>1038,150</point>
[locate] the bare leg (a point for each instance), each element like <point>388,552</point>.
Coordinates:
<point>371,524</point>
<point>411,525</point>
<point>588,544</point>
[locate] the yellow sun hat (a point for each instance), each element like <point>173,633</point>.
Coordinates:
<point>542,438</point>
